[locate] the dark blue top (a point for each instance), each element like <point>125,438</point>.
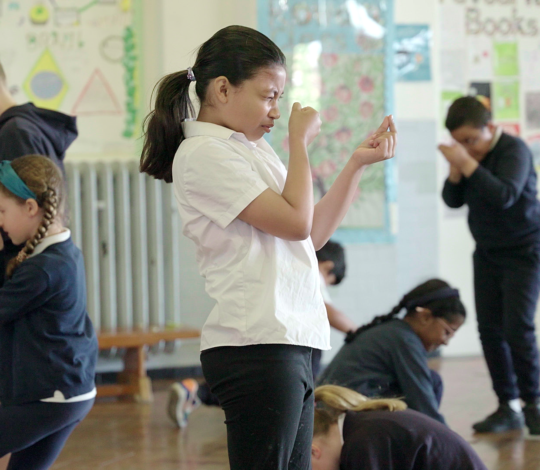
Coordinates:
<point>501,194</point>
<point>387,360</point>
<point>26,130</point>
<point>403,440</point>
<point>47,341</point>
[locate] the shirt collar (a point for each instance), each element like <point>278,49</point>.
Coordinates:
<point>48,241</point>
<point>496,137</point>
<point>341,422</point>
<point>199,128</point>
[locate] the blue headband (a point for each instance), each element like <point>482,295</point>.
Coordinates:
<point>13,183</point>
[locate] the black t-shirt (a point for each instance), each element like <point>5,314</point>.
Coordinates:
<point>403,440</point>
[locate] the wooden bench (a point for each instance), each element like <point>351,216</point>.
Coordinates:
<point>133,380</point>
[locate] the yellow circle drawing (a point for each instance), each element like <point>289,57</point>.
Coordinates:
<point>39,14</point>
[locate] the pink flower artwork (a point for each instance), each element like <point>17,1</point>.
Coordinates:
<point>366,84</point>
<point>343,135</point>
<point>329,60</point>
<point>326,168</point>
<point>343,93</point>
<point>366,109</point>
<point>331,113</point>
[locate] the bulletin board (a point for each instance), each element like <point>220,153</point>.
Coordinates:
<point>80,57</point>
<point>340,62</point>
<point>491,49</point>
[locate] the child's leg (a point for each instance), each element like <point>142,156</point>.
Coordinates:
<point>521,288</point>
<point>35,433</point>
<point>266,392</point>
<point>488,279</point>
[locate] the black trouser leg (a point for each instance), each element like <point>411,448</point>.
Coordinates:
<point>521,287</point>
<point>507,284</point>
<point>266,392</point>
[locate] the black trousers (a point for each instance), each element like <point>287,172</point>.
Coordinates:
<point>507,285</point>
<point>266,391</point>
<point>35,433</point>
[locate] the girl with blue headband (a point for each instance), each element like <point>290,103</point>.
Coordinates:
<point>388,356</point>
<point>48,348</point>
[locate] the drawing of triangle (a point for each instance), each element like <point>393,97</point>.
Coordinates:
<point>96,98</point>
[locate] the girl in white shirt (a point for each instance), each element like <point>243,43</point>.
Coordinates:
<point>256,230</point>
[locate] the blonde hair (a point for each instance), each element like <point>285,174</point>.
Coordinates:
<point>332,400</point>
<point>45,180</point>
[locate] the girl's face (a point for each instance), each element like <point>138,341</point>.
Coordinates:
<point>436,331</point>
<point>19,221</point>
<point>252,107</point>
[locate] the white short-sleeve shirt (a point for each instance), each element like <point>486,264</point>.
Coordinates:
<point>267,290</point>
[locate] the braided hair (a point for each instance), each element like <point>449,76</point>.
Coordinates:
<point>435,295</point>
<point>45,180</point>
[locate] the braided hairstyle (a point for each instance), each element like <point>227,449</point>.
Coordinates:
<point>45,180</point>
<point>332,400</point>
<point>444,307</point>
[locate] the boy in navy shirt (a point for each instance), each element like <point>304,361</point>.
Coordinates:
<point>493,173</point>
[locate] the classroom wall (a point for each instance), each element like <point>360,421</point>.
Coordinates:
<point>429,243</point>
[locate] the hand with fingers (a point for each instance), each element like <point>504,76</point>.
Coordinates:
<point>378,147</point>
<point>304,123</point>
<point>461,163</point>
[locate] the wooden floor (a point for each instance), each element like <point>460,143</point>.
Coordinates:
<point>128,436</point>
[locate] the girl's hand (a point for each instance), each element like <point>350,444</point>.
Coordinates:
<point>304,124</point>
<point>378,147</point>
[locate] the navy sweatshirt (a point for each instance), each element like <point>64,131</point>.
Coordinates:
<point>387,360</point>
<point>47,341</point>
<point>26,130</point>
<point>501,194</point>
<point>403,440</point>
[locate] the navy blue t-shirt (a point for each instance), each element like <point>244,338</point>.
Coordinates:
<point>387,360</point>
<point>47,341</point>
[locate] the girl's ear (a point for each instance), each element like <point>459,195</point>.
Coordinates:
<point>315,452</point>
<point>424,315</point>
<point>222,89</point>
<point>32,208</point>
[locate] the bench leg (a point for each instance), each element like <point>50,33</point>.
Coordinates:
<point>134,374</point>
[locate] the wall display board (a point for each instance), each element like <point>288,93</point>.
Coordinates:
<point>340,62</point>
<point>491,49</point>
<point>79,57</point>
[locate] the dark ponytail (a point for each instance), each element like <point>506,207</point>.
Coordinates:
<point>163,130</point>
<point>435,295</point>
<point>236,52</point>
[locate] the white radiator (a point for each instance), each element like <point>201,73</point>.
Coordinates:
<point>128,229</point>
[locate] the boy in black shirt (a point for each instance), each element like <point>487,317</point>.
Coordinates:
<point>493,173</point>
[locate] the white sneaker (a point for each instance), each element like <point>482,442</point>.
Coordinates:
<point>183,400</point>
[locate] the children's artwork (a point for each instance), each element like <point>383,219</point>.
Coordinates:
<point>532,110</point>
<point>533,141</point>
<point>506,100</point>
<point>412,53</point>
<point>79,57</point>
<point>447,98</point>
<point>512,128</point>
<point>482,92</point>
<point>506,59</point>
<point>340,62</point>
<point>480,58</point>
